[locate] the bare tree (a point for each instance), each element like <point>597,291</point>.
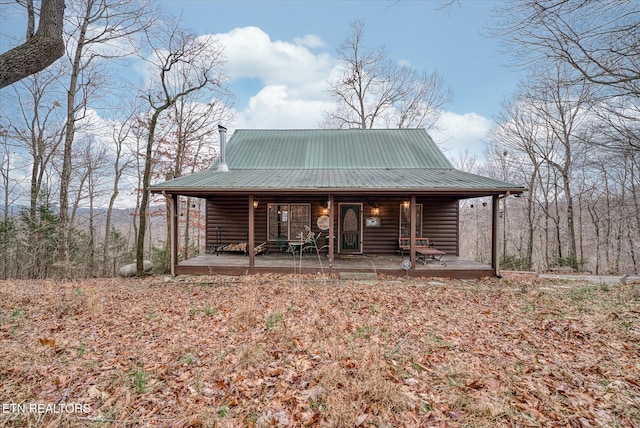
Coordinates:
<point>598,39</point>
<point>120,133</point>
<point>10,194</point>
<point>618,126</point>
<point>88,186</point>
<point>97,26</point>
<point>183,64</point>
<point>422,107</point>
<point>38,127</point>
<point>39,50</point>
<point>372,89</point>
<point>518,129</point>
<point>562,106</point>
<point>583,57</point>
<point>576,178</point>
<point>633,231</point>
<point>194,121</point>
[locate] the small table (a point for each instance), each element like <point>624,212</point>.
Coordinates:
<point>294,246</point>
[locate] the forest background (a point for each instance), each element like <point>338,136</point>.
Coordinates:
<point>77,144</point>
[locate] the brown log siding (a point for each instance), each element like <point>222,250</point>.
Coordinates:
<point>440,220</point>
<point>440,224</point>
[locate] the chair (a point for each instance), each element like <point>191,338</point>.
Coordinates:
<point>282,243</point>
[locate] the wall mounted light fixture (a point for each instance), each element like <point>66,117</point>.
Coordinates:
<point>255,204</point>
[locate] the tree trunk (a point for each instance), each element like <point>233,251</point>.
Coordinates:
<point>573,254</point>
<point>65,175</point>
<point>530,219</point>
<point>596,227</point>
<point>39,51</point>
<point>91,273</point>
<point>636,204</point>
<point>632,250</point>
<point>107,226</point>
<point>146,181</point>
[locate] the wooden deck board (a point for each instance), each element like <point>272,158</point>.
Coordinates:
<point>237,264</point>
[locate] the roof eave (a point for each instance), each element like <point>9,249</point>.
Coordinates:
<point>468,192</point>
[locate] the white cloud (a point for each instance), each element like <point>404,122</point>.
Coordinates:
<point>292,91</point>
<point>273,108</point>
<point>459,132</point>
<point>311,41</point>
<point>251,53</point>
<point>294,79</point>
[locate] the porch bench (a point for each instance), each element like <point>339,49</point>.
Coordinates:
<point>424,250</point>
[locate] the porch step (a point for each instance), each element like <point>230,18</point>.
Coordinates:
<point>358,275</point>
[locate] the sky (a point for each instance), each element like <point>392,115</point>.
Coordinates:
<point>280,55</point>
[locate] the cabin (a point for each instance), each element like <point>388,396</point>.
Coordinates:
<point>356,195</point>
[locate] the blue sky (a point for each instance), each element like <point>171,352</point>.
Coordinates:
<point>297,40</point>
<point>450,40</point>
<point>280,55</point>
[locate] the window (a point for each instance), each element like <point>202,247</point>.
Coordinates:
<point>405,220</point>
<point>287,220</point>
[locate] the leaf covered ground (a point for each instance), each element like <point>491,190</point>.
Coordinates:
<point>278,350</point>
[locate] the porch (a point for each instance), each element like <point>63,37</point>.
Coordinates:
<point>388,264</point>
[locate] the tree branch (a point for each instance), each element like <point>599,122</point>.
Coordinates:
<point>40,51</point>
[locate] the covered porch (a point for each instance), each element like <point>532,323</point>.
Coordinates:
<point>248,221</point>
<point>387,264</point>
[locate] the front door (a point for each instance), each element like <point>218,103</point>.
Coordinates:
<point>350,229</point>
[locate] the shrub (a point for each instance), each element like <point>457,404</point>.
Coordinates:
<point>515,263</point>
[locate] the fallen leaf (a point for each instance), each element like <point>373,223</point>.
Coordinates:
<point>94,392</point>
<point>48,341</point>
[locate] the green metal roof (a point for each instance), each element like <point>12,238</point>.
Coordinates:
<point>333,149</point>
<point>384,160</point>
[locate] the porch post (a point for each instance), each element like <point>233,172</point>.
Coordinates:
<point>172,203</point>
<point>413,232</point>
<point>251,244</point>
<point>495,213</point>
<point>331,230</point>
<point>174,234</point>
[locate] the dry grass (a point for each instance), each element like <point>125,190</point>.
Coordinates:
<point>294,351</point>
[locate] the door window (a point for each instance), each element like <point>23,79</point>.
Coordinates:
<point>350,228</point>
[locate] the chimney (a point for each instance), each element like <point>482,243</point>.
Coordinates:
<point>222,165</point>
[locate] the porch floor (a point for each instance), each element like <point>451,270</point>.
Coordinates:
<point>390,264</point>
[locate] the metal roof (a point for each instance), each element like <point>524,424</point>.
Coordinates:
<point>382,161</point>
<point>333,149</point>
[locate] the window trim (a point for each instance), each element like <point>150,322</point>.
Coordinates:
<point>419,221</point>
<point>288,205</point>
